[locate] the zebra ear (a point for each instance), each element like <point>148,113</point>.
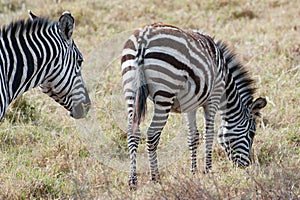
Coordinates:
<point>31,15</point>
<point>258,104</point>
<point>67,24</point>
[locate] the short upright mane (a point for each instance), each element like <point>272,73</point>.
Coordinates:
<point>22,25</point>
<point>239,74</point>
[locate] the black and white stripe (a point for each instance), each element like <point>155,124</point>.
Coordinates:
<point>180,71</point>
<point>38,52</point>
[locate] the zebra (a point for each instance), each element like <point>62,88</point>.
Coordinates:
<point>41,53</point>
<point>180,71</point>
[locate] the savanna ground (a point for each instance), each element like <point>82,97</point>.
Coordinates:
<point>46,154</point>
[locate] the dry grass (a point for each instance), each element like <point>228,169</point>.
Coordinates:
<point>45,154</point>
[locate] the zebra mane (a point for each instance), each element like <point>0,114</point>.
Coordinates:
<point>25,25</point>
<point>239,74</point>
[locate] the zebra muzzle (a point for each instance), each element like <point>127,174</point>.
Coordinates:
<point>241,160</point>
<point>80,110</point>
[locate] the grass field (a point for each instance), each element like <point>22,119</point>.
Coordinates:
<point>45,154</point>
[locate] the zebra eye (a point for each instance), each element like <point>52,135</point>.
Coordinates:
<point>79,61</point>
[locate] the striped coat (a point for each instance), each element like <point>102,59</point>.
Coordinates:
<point>180,71</point>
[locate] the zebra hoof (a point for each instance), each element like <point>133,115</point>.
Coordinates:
<point>194,171</point>
<point>132,183</point>
<point>206,170</point>
<point>155,179</point>
<point>193,168</point>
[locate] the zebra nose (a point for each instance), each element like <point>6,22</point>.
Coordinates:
<point>86,107</point>
<point>242,164</point>
<point>241,160</point>
<point>80,111</point>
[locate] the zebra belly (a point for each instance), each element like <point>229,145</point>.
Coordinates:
<point>183,97</point>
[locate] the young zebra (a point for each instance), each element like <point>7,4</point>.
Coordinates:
<point>38,52</point>
<point>180,71</point>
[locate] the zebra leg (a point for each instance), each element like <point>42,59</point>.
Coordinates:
<point>209,118</point>
<point>159,120</point>
<point>133,142</point>
<point>193,138</point>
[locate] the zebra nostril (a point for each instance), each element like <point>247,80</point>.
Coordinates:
<point>86,107</point>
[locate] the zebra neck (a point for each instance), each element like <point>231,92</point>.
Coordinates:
<point>29,64</point>
<point>232,107</point>
<point>27,77</point>
<point>21,78</point>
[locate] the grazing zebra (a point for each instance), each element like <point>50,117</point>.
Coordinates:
<point>180,71</point>
<point>38,52</point>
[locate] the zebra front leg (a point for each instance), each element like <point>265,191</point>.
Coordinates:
<point>209,115</point>
<point>133,142</point>
<point>193,138</point>
<point>153,135</point>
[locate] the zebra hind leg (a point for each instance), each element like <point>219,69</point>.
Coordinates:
<point>133,142</point>
<point>159,120</point>
<point>193,138</point>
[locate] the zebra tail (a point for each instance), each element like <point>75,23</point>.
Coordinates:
<point>140,102</point>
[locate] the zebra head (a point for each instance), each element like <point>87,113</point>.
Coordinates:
<point>65,84</point>
<point>237,138</point>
